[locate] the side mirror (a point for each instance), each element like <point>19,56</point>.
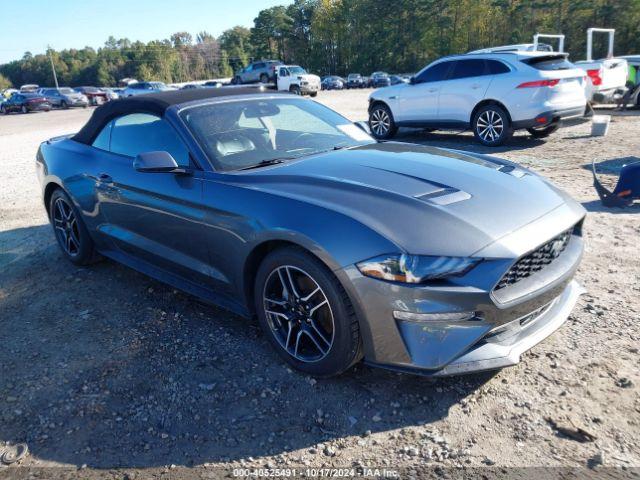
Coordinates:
<point>157,162</point>
<point>364,126</point>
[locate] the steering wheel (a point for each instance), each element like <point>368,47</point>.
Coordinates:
<point>295,143</point>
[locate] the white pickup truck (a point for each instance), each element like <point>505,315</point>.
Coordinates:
<point>295,79</point>
<point>606,77</point>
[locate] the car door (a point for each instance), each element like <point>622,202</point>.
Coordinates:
<point>284,79</point>
<point>154,218</point>
<point>465,87</point>
<point>418,101</point>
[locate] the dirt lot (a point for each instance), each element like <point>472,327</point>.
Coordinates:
<point>106,368</point>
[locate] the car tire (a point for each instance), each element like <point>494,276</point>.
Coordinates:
<point>327,341</point>
<point>70,231</point>
<point>313,94</point>
<point>492,125</point>
<point>24,109</point>
<point>3,110</point>
<point>264,78</point>
<point>544,131</point>
<point>64,105</point>
<point>295,89</point>
<point>381,122</point>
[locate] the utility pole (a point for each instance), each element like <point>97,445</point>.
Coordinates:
<point>53,68</point>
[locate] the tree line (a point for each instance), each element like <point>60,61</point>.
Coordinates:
<point>338,37</point>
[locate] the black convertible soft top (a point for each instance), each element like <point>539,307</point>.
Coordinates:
<point>153,103</point>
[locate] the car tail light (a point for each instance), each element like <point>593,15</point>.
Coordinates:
<point>540,83</point>
<point>595,77</point>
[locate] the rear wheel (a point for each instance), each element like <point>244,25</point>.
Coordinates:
<point>381,122</point>
<point>492,126</point>
<point>264,78</point>
<point>3,110</point>
<point>64,104</point>
<point>71,233</point>
<point>544,131</point>
<point>306,313</point>
<point>24,109</point>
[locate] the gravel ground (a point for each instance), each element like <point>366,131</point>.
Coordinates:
<point>105,368</point>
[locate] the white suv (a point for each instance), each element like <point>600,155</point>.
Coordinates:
<point>491,93</point>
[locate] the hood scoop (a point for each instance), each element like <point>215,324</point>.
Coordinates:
<point>445,196</point>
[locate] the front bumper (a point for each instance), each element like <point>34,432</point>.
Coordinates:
<point>505,323</point>
<point>505,347</point>
<point>309,88</point>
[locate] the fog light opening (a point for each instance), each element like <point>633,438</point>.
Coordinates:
<point>431,317</point>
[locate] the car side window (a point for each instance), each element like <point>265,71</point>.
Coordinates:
<point>496,67</point>
<point>283,72</point>
<point>140,132</point>
<point>103,139</point>
<point>467,69</point>
<point>435,73</point>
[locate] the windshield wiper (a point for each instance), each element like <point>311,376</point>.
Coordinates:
<point>267,162</point>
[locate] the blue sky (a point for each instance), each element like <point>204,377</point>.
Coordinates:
<point>80,23</point>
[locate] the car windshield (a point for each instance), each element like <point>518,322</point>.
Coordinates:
<point>66,91</point>
<point>297,70</point>
<point>90,89</point>
<point>245,133</point>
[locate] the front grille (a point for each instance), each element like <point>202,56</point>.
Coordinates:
<point>537,260</point>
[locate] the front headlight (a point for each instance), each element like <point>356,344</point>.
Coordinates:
<point>415,268</point>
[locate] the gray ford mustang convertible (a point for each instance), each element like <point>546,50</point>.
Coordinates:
<point>409,257</point>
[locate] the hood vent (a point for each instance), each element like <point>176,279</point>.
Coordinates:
<point>445,196</point>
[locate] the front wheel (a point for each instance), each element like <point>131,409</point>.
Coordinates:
<point>295,89</point>
<point>492,126</point>
<point>313,94</point>
<point>24,109</point>
<point>381,122</point>
<point>544,131</point>
<point>3,110</point>
<point>64,105</point>
<point>264,78</point>
<point>306,314</point>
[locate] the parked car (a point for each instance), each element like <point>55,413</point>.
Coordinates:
<point>279,207</point>
<point>190,86</point>
<point>380,79</point>
<point>29,88</point>
<point>25,103</point>
<point>396,79</point>
<point>633,80</point>
<point>606,77</point>
<point>355,80</point>
<point>493,94</point>
<point>111,93</point>
<point>93,94</point>
<point>212,84</point>
<point>332,82</point>
<point>263,71</point>
<point>295,79</point>
<point>142,88</point>
<point>64,97</point>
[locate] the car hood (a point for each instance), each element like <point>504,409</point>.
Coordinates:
<point>425,200</point>
<point>310,77</point>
